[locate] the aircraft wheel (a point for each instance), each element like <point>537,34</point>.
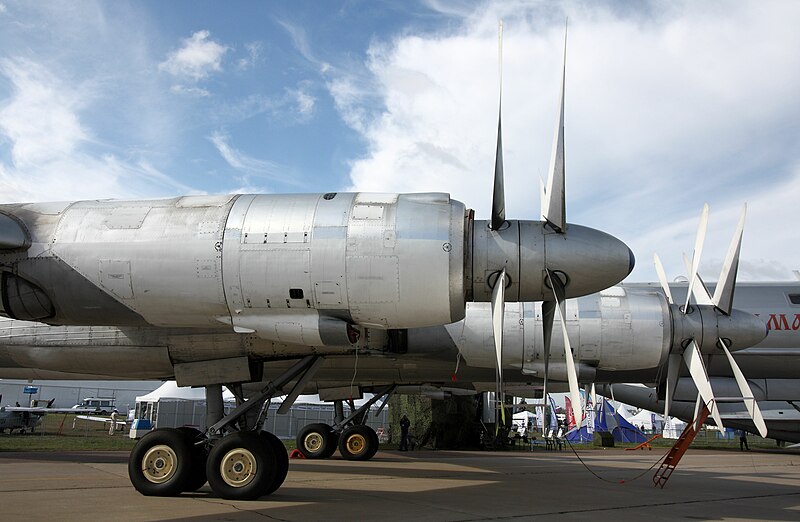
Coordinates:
<point>316,441</point>
<point>241,466</point>
<point>358,443</point>
<point>161,463</point>
<point>281,459</point>
<point>199,455</point>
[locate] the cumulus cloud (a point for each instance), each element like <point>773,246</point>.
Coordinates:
<point>196,60</point>
<point>665,109</point>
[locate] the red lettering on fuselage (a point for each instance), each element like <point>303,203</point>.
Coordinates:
<point>781,322</point>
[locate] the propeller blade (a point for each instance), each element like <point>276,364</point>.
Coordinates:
<point>723,294</point>
<point>698,250</point>
<point>498,313</point>
<point>662,277</point>
<point>700,290</point>
<point>747,393</point>
<point>498,193</point>
<point>572,374</point>
<point>697,369</point>
<point>548,315</point>
<point>554,207</point>
<point>673,370</point>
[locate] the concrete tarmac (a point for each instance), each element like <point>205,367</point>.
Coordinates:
<point>426,485</point>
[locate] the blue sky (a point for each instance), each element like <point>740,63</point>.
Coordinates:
<point>668,105</point>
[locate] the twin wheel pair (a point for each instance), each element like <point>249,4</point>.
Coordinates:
<point>320,441</point>
<point>242,465</point>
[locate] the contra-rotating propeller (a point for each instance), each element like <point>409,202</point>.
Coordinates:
<point>554,214</point>
<point>711,313</point>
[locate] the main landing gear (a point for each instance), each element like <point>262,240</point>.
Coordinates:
<point>237,458</point>
<point>354,439</point>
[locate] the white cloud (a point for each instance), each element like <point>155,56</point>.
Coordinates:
<point>253,53</point>
<point>239,160</point>
<point>3,8</point>
<point>196,59</point>
<point>52,153</point>
<point>303,102</point>
<point>191,91</point>
<point>665,109</point>
<point>252,173</point>
<point>40,120</point>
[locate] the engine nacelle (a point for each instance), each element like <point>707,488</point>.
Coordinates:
<point>313,263</point>
<point>311,269</point>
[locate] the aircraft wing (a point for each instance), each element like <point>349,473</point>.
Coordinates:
<point>43,410</point>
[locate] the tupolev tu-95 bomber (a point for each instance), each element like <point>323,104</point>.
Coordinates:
<point>249,278</point>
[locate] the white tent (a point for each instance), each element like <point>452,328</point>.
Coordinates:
<point>644,418</point>
<point>170,405</point>
<point>171,390</point>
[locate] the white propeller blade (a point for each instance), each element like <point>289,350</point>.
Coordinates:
<point>572,374</point>
<point>701,294</point>
<point>498,313</point>
<point>747,393</point>
<point>673,369</point>
<point>698,250</point>
<point>723,294</point>
<point>697,369</point>
<point>554,205</point>
<point>662,277</point>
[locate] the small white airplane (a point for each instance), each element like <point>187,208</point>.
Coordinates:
<point>26,418</point>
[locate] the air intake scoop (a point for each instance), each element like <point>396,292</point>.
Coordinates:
<point>12,234</point>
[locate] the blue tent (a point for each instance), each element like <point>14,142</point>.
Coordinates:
<point>607,419</point>
<point>622,430</point>
<point>579,435</point>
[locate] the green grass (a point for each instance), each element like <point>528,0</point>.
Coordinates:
<point>55,433</point>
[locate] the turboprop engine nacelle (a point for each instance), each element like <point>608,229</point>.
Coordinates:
<point>295,268</point>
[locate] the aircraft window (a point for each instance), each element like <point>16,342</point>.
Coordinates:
<point>794,299</point>
<point>329,196</point>
<point>295,293</point>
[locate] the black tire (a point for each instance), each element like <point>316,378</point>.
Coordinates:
<point>281,459</point>
<point>333,446</point>
<point>241,466</point>
<point>316,441</point>
<point>160,464</point>
<point>358,443</point>
<point>197,479</point>
<point>374,443</point>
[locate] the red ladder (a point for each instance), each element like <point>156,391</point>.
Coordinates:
<point>681,445</point>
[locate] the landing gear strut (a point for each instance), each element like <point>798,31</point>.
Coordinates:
<point>240,461</point>
<point>355,440</point>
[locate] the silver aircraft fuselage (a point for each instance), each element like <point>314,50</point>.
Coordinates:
<point>622,334</point>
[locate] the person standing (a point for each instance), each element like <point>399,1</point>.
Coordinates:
<point>405,424</point>
<point>113,426</point>
<point>743,441</point>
